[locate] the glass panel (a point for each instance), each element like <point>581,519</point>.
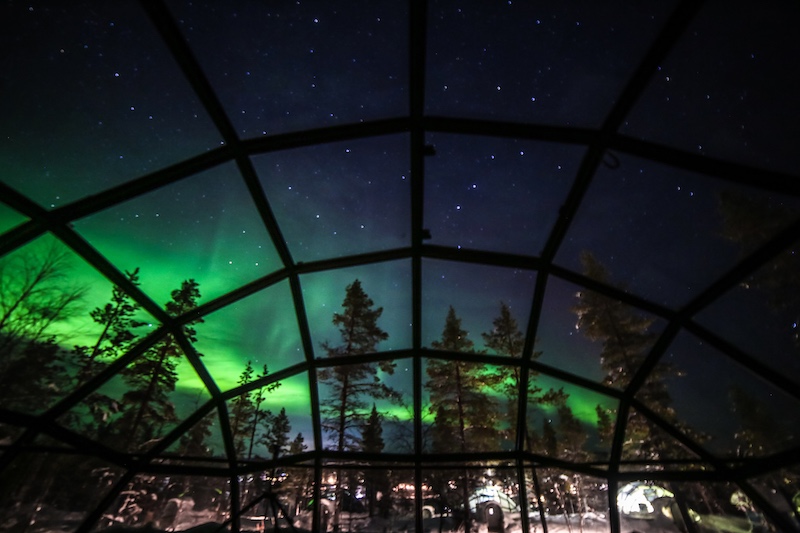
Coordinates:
<point>569,422</point>
<point>60,324</point>
<point>364,405</point>
<point>135,409</point>
<point>466,406</point>
<point>733,414</point>
<point>260,328</point>
<point>99,80</point>
<point>388,285</point>
<point>781,489</point>
<point>730,61</point>
<point>9,218</point>
<point>340,198</point>
<point>274,419</point>
<point>494,193</point>
<point>301,65</point>
<point>52,491</point>
<point>172,503</point>
<point>491,493</point>
<point>202,441</point>
<point>9,434</point>
<point>476,293</point>
<point>264,506</point>
<point>717,507</point>
<point>767,302</point>
<point>569,501</point>
<point>555,63</point>
<point>205,227</point>
<point>374,497</point>
<point>671,215</point>
<point>593,336</point>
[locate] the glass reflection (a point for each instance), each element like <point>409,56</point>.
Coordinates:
<point>767,302</point>
<point>591,335</point>
<point>781,489</point>
<point>169,502</point>
<point>736,414</point>
<point>47,491</point>
<point>567,501</point>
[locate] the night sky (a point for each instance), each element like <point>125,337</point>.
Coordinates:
<point>92,99</point>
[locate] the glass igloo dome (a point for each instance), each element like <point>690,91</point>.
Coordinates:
<point>375,266</point>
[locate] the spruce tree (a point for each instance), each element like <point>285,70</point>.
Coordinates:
<point>463,409</point>
<point>626,338</point>
<point>460,394</point>
<point>507,340</point>
<point>352,384</point>
<point>372,442</point>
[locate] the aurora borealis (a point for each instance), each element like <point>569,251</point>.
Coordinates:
<point>276,153</point>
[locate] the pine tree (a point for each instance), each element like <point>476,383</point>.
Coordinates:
<point>298,479</point>
<point>507,340</point>
<point>463,409</point>
<point>459,394</point>
<point>352,384</point>
<point>152,377</point>
<point>193,443</point>
<point>626,340</point>
<point>276,437</point>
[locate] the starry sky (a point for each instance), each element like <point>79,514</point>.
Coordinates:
<point>93,99</point>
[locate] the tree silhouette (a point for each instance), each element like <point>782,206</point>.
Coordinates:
<point>463,409</point>
<point>351,385</point>
<point>276,437</point>
<point>506,339</point>
<point>118,324</point>
<point>193,443</point>
<point>117,335</point>
<point>242,412</point>
<point>372,442</point>
<point>460,394</point>
<point>36,293</point>
<point>626,339</point>
<point>152,377</point>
